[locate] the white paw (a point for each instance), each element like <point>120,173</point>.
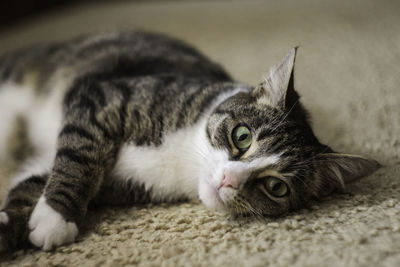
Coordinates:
<point>48,227</point>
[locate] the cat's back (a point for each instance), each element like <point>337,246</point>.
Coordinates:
<point>108,56</point>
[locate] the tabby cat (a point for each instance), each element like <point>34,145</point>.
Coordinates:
<point>135,117</point>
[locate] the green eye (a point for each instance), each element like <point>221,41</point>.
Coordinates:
<point>241,137</point>
<point>275,186</point>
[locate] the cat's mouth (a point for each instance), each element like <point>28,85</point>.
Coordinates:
<point>217,192</point>
<point>225,194</point>
<point>211,195</point>
<point>215,195</point>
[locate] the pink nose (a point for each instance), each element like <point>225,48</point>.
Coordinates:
<point>229,181</point>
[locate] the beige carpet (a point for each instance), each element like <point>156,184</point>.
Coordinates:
<point>348,73</point>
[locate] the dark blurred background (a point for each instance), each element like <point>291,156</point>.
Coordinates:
<point>14,11</point>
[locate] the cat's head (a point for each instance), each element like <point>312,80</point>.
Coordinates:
<point>267,159</point>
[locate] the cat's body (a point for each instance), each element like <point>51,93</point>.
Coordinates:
<point>161,92</point>
<point>135,117</point>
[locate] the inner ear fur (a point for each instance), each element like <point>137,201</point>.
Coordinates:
<point>278,89</point>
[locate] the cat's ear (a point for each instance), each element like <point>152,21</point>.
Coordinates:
<point>336,170</point>
<point>277,89</point>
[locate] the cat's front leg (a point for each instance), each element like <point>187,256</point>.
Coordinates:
<point>86,151</point>
<point>75,179</point>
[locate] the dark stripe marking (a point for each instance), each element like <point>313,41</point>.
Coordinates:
<point>73,129</point>
<point>69,199</point>
<point>75,156</point>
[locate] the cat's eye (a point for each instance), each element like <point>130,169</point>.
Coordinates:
<point>275,186</point>
<point>241,137</point>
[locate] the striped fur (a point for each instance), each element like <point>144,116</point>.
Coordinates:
<point>136,117</point>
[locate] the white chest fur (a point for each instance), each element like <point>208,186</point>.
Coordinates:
<point>170,169</point>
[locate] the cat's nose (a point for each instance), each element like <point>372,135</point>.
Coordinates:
<point>234,175</point>
<point>230,180</point>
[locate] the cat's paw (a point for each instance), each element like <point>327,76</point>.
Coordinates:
<point>48,227</point>
<point>4,219</point>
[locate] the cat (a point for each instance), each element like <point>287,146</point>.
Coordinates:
<point>136,117</point>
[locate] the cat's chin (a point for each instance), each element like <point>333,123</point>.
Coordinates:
<point>210,197</point>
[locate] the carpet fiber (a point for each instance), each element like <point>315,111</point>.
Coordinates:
<point>348,73</point>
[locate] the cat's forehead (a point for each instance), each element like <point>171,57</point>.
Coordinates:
<point>268,125</point>
<point>244,108</point>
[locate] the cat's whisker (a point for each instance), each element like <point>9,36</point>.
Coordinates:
<point>196,149</point>
<point>306,164</point>
<point>310,160</point>
<point>307,186</point>
<point>258,215</point>
<point>246,208</point>
<point>285,116</point>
